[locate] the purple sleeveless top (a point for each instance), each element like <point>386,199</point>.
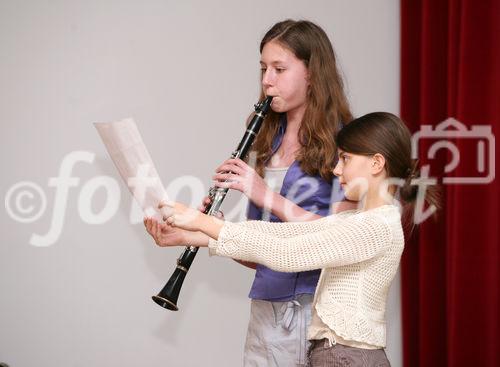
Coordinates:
<point>311,193</point>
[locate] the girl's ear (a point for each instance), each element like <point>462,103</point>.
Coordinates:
<point>378,163</point>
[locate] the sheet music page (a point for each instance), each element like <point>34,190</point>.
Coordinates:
<point>131,157</point>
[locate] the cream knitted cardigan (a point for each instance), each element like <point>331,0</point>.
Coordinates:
<point>358,253</point>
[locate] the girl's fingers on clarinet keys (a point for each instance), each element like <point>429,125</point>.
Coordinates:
<point>230,165</point>
<point>222,177</point>
<point>206,201</point>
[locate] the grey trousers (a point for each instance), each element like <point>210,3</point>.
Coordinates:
<point>321,354</point>
<point>277,333</point>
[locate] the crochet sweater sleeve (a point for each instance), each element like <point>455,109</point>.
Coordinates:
<point>292,247</point>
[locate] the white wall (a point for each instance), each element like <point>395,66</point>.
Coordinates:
<point>188,73</point>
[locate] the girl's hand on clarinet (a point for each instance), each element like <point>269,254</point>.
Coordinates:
<point>204,204</point>
<point>206,201</point>
<point>237,175</point>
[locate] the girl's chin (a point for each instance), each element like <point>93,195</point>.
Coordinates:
<point>277,108</point>
<point>277,105</point>
<point>351,198</point>
<point>349,195</point>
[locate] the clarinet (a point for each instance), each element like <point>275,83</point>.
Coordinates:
<point>167,298</point>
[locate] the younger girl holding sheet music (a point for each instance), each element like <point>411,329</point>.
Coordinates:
<point>358,250</point>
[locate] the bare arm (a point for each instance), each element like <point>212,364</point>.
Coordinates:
<point>287,211</point>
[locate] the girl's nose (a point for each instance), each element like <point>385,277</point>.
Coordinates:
<point>337,171</point>
<point>267,78</point>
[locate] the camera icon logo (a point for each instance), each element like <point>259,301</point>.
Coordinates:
<point>478,140</point>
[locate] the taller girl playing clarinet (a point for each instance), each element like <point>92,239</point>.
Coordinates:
<point>292,180</point>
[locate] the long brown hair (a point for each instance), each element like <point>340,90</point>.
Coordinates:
<point>327,105</point>
<point>388,135</point>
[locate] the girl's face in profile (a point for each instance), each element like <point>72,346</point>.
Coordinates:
<point>284,77</point>
<point>355,174</point>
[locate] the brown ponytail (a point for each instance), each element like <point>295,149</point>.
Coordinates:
<point>408,192</point>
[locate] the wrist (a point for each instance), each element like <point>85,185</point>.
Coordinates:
<point>203,223</point>
<point>211,226</point>
<point>271,199</point>
<point>262,197</point>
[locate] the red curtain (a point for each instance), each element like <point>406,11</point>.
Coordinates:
<point>450,67</point>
